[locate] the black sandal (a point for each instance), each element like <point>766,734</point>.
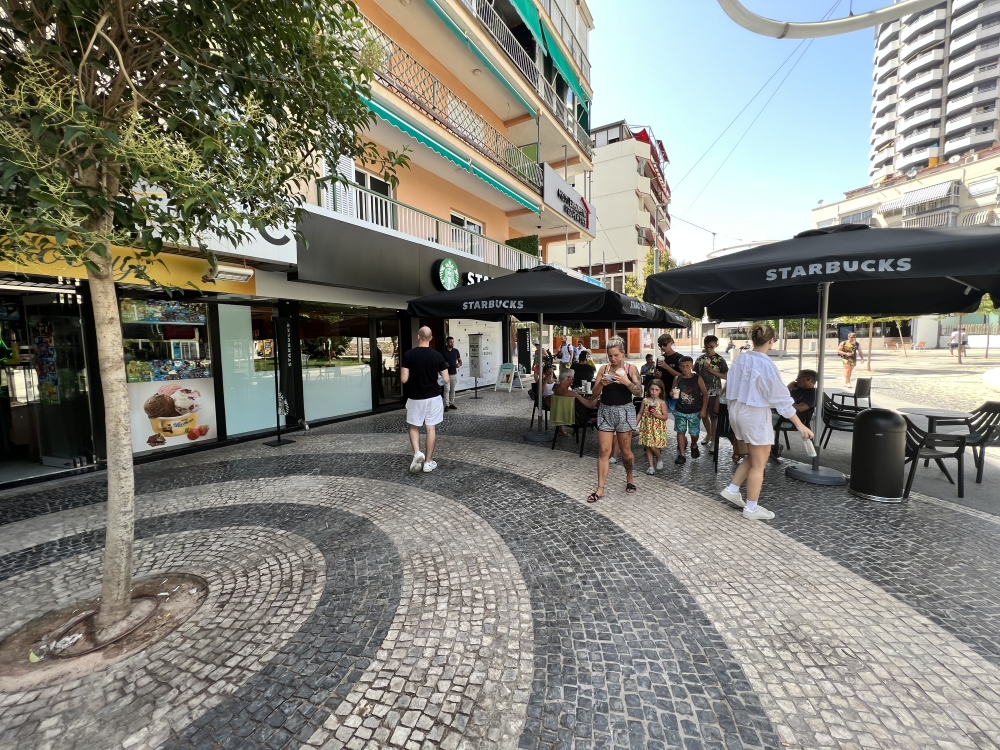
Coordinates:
<point>594,497</point>
<point>630,489</point>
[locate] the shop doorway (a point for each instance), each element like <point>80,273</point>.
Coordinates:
<point>385,354</point>
<point>45,410</point>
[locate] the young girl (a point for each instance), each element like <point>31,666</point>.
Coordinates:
<point>653,424</point>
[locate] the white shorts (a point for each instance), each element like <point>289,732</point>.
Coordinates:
<point>751,424</point>
<point>424,411</point>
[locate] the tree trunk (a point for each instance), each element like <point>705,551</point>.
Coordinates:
<point>116,582</point>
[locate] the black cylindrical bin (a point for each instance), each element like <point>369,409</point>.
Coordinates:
<point>877,456</point>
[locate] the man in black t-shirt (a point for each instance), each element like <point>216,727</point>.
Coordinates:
<point>668,365</point>
<point>454,359</point>
<point>582,371</point>
<point>423,372</point>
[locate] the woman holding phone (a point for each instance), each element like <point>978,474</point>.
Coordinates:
<point>753,388</point>
<point>617,384</point>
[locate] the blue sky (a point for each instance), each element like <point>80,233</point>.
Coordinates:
<point>682,67</point>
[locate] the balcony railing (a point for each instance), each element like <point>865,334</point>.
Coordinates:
<point>491,20</point>
<point>400,71</point>
<point>377,210</point>
<point>568,36</point>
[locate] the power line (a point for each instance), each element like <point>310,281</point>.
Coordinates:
<point>710,231</point>
<point>762,109</point>
<point>753,99</point>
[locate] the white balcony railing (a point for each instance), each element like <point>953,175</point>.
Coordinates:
<point>402,72</point>
<point>568,36</point>
<point>375,209</point>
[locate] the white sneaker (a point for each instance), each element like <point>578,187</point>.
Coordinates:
<point>760,513</point>
<point>706,440</point>
<point>429,466</point>
<point>612,460</point>
<point>734,497</point>
<point>417,464</point>
<point>659,465</point>
<point>651,471</point>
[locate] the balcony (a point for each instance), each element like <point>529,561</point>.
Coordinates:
<point>879,90</point>
<point>884,53</point>
<point>419,87</point>
<point>986,52</point>
<point>922,24</point>
<point>880,173</point>
<point>918,119</point>
<point>969,119</point>
<point>921,43</point>
<point>916,158</point>
<point>576,50</point>
<point>882,106</point>
<point>881,139</point>
<point>962,23</point>
<point>971,99</point>
<point>970,142</point>
<point>920,81</point>
<point>887,32</point>
<point>371,208</point>
<point>918,101</point>
<point>918,138</point>
<point>958,5</point>
<point>930,59</point>
<point>885,156</point>
<point>987,72</point>
<point>965,41</point>
<point>493,23</point>
<point>881,123</point>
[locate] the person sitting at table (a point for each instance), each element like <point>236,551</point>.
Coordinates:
<point>563,388</point>
<point>582,371</point>
<point>803,390</point>
<point>647,369</point>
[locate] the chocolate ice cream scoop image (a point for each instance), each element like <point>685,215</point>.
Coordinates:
<point>159,405</point>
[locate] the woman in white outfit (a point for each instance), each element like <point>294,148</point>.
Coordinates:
<point>753,388</point>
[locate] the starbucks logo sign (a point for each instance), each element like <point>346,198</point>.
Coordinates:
<point>446,275</point>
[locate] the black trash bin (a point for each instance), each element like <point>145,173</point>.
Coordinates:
<point>878,455</point>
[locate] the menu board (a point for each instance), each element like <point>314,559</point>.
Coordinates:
<point>45,361</point>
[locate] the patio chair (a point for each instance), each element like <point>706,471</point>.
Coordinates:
<point>920,347</point>
<point>533,395</point>
<point>862,390</point>
<point>936,447</point>
<point>984,430</point>
<point>784,426</point>
<point>836,418</point>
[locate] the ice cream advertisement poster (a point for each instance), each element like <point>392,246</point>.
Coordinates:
<point>171,414</point>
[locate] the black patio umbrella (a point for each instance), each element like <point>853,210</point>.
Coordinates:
<point>623,311</point>
<point>535,292</point>
<point>856,270</point>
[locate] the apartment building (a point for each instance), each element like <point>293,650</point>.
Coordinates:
<point>492,99</point>
<point>631,196</point>
<point>934,89</point>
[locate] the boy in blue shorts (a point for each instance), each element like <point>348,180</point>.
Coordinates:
<point>692,407</point>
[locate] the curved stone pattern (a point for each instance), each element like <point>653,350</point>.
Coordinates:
<point>450,669</point>
<point>257,578</point>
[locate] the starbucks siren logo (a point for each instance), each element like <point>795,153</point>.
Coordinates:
<point>447,274</point>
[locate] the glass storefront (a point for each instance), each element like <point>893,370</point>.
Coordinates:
<point>168,364</point>
<point>385,360</point>
<point>246,335</point>
<point>335,344</point>
<point>45,419</point>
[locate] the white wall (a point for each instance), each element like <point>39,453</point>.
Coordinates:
<point>492,351</point>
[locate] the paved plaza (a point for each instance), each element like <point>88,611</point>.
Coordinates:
<point>352,604</point>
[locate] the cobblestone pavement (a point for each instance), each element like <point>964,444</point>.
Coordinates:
<point>355,605</point>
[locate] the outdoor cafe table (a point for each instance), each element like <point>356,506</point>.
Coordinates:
<point>933,415</point>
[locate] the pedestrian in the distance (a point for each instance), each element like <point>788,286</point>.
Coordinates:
<point>753,388</point>
<point>419,370</point>
<point>454,359</point>
<point>850,353</point>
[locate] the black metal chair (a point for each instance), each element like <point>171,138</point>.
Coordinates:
<point>836,419</point>
<point>933,446</point>
<point>784,426</point>
<point>862,390</point>
<point>533,395</point>
<point>984,430</point>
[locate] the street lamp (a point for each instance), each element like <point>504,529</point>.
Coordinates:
<point>785,30</point>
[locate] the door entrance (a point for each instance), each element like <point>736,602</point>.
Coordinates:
<point>385,355</point>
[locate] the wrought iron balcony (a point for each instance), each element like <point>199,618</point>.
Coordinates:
<point>401,72</point>
<point>566,32</point>
<point>373,208</point>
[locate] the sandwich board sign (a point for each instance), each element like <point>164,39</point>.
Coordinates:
<point>505,377</point>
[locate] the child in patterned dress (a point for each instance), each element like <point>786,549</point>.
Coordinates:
<point>653,424</point>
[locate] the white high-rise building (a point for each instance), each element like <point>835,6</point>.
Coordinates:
<point>934,92</point>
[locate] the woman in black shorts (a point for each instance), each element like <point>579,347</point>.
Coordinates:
<point>617,384</point>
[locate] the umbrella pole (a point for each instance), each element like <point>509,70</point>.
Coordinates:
<point>817,474</point>
<point>802,336</point>
<point>536,435</point>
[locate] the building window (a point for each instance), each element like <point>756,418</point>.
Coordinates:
<point>459,220</point>
<point>827,223</point>
<point>571,250</point>
<point>858,217</point>
<point>373,183</point>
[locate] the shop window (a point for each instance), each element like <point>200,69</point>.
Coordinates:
<point>247,361</point>
<point>168,365</point>
<point>336,362</point>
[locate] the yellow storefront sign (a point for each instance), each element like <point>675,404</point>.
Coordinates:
<point>175,270</point>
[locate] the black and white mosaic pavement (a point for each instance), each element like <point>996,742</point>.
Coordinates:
<point>355,605</point>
